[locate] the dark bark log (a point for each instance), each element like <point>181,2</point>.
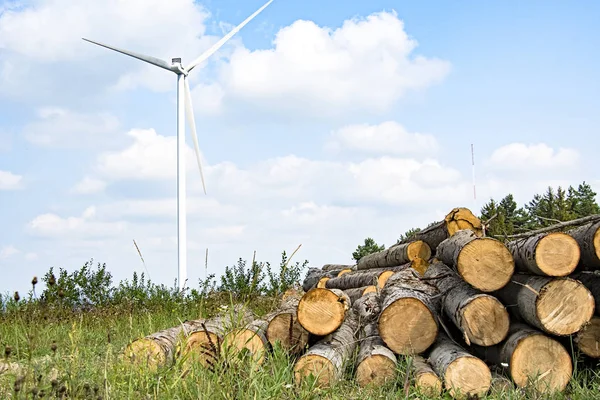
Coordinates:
<point>484,263</point>
<point>588,238</point>
<point>408,323</point>
<point>396,255</point>
<point>591,280</point>
<point>457,219</point>
<point>547,254</point>
<point>426,380</point>
<point>284,327</point>
<point>481,318</point>
<point>463,374</point>
<point>559,306</point>
<point>338,267</point>
<point>532,357</point>
<point>587,339</point>
<point>322,311</point>
<point>327,359</point>
<point>314,275</point>
<point>376,364</point>
<point>559,226</point>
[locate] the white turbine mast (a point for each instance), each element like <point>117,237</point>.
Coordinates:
<point>184,110</point>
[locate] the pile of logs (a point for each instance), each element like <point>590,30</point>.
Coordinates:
<point>467,314</point>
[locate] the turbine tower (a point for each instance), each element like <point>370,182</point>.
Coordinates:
<point>184,110</point>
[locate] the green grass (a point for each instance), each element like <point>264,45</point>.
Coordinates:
<point>67,354</point>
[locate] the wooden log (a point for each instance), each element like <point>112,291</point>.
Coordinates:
<point>588,238</point>
<point>408,323</point>
<point>321,311</point>
<point>532,358</point>
<point>284,328</point>
<point>547,254</point>
<point>559,306</point>
<point>315,275</point>
<point>250,340</point>
<point>327,359</point>
<point>501,384</point>
<point>458,219</point>
<point>370,289</point>
<point>162,348</point>
<point>481,318</point>
<point>484,263</point>
<point>338,267</point>
<point>203,343</point>
<point>426,380</point>
<point>374,276</point>
<point>355,293</point>
<point>591,280</point>
<point>396,255</point>
<point>463,374</point>
<point>344,271</point>
<point>587,339</point>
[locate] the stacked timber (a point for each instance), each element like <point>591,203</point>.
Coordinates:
<point>469,314</point>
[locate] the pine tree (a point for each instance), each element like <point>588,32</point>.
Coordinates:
<point>584,201</point>
<point>368,248</point>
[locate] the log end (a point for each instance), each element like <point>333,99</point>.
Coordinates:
<point>407,326</point>
<point>541,361</point>
<point>145,352</point>
<point>420,265</point>
<point>486,264</point>
<point>485,321</point>
<point>285,329</point>
<point>344,271</point>
<point>462,218</point>
<point>557,254</point>
<point>318,366</point>
<point>245,342</point>
<point>383,278</point>
<point>588,339</point>
<point>370,289</point>
<point>429,384</point>
<point>467,376</point>
<point>321,311</point>
<point>375,370</point>
<point>564,306</point>
<point>322,282</point>
<point>202,347</point>
<point>418,249</point>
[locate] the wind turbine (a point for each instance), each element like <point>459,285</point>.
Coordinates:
<point>184,106</point>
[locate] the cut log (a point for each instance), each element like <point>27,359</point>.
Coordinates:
<point>338,267</point>
<point>426,380</point>
<point>327,359</point>
<point>321,311</point>
<point>355,293</point>
<point>588,338</point>
<point>463,374</point>
<point>408,322</point>
<point>344,271</point>
<point>591,280</point>
<point>484,263</point>
<point>322,282</point>
<point>376,364</point>
<point>532,358</point>
<point>315,275</point>
<point>456,220</point>
<point>395,255</point>
<point>559,306</point>
<point>203,345</point>
<point>285,329</point>
<point>250,340</point>
<point>370,289</point>
<point>548,254</point>
<point>588,238</point>
<point>481,318</point>
<point>162,348</point>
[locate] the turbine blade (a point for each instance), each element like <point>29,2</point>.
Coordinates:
<point>189,113</point>
<point>224,39</point>
<point>149,59</point>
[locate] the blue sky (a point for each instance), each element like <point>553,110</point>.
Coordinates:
<point>319,125</point>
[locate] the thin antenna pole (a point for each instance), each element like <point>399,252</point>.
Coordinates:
<point>473,169</point>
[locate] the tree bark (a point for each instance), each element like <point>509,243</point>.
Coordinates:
<point>456,220</point>
<point>481,318</point>
<point>376,364</point>
<point>327,359</point>
<point>588,238</point>
<point>425,378</point>
<point>408,323</point>
<point>395,255</point>
<point>356,293</point>
<point>587,339</point>
<point>463,374</point>
<point>284,327</point>
<point>547,254</point>
<point>532,357</point>
<point>559,226</point>
<point>591,280</point>
<point>483,262</point>
<point>315,275</point>
<point>375,276</point>
<point>338,267</point>
<point>559,306</point>
<point>321,311</point>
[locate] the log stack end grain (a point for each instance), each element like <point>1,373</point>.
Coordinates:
<point>321,311</point>
<point>425,378</point>
<point>549,254</point>
<point>587,339</point>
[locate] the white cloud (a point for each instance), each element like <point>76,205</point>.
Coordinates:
<point>10,181</point>
<point>62,128</point>
<point>366,64</point>
<point>8,251</point>
<point>54,226</point>
<point>89,185</point>
<point>31,256</point>
<point>386,138</point>
<point>525,157</point>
